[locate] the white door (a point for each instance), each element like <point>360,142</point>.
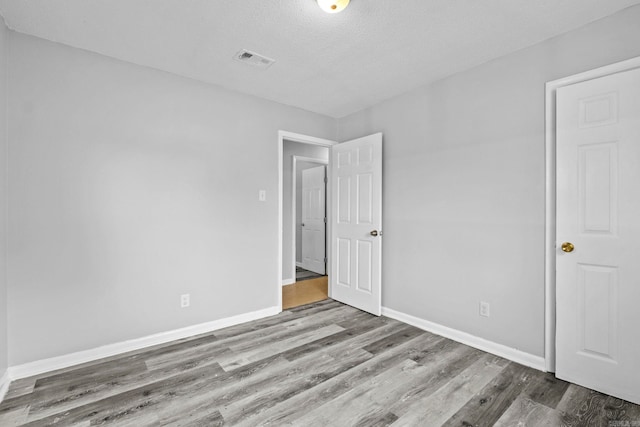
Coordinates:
<point>598,212</point>
<point>356,221</point>
<point>314,219</point>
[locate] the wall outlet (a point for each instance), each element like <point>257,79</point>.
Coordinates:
<point>484,309</point>
<point>185,300</point>
<point>262,195</point>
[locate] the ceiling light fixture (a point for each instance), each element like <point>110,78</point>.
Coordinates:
<point>333,6</point>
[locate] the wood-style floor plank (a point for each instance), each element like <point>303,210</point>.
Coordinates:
<point>525,412</point>
<point>436,375</point>
<point>313,371</point>
<point>337,386</point>
<point>139,402</point>
<point>437,408</point>
<point>251,354</point>
<point>21,387</point>
<point>488,405</point>
<point>14,417</point>
<point>547,390</point>
<point>373,399</point>
<point>315,365</point>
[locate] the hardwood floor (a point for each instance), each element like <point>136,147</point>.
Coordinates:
<point>305,292</point>
<point>323,364</point>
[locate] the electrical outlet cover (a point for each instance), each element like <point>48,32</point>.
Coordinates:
<point>484,309</point>
<point>185,300</point>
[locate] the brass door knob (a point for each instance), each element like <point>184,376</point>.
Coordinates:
<point>374,233</point>
<point>567,247</point>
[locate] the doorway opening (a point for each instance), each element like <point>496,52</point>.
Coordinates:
<point>309,189</point>
<point>304,219</point>
<point>354,220</point>
<point>302,274</point>
<point>309,204</point>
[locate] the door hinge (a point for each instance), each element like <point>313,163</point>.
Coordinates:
<point>325,180</point>
<point>325,260</point>
<point>325,219</point>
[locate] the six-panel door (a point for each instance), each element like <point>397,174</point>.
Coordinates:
<point>356,179</point>
<point>598,213</point>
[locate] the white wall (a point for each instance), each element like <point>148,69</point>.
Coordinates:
<point>291,149</point>
<point>464,176</point>
<point>3,198</point>
<point>300,166</point>
<point>126,191</point>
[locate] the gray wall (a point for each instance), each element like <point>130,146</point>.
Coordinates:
<point>464,176</point>
<point>291,149</point>
<point>126,192</point>
<point>300,166</point>
<point>3,197</point>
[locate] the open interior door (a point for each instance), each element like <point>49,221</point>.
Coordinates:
<point>356,215</point>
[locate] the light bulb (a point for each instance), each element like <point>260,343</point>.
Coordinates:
<point>333,6</point>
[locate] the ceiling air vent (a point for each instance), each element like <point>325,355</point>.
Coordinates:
<point>253,58</point>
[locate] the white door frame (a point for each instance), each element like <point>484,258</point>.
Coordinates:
<point>297,159</point>
<point>550,199</point>
<point>303,139</point>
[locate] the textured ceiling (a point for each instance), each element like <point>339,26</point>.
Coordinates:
<point>330,64</point>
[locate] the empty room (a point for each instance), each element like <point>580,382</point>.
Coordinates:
<point>319,213</point>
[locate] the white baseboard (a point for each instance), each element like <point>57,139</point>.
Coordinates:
<point>72,359</point>
<point>298,264</point>
<point>4,385</point>
<point>286,282</point>
<point>515,355</point>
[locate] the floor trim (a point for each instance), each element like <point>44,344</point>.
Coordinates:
<point>4,385</point>
<point>72,359</point>
<point>518,356</point>
<point>286,282</point>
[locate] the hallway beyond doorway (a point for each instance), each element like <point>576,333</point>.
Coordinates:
<point>305,292</point>
<point>302,274</point>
